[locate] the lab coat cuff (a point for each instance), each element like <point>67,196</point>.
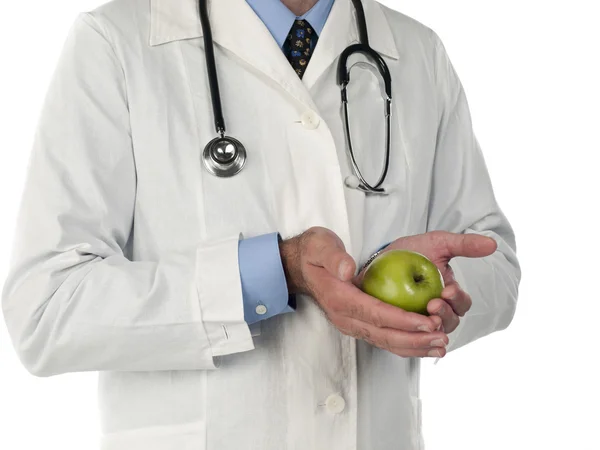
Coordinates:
<point>220,293</point>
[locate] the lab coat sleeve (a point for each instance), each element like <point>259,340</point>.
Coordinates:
<point>72,300</point>
<point>462,201</point>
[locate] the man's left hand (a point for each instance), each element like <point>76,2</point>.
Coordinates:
<point>440,247</point>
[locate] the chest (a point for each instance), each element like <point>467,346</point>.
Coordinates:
<point>297,150</point>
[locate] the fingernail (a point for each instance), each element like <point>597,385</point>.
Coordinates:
<point>424,328</point>
<point>438,343</point>
<point>435,353</point>
<point>342,269</point>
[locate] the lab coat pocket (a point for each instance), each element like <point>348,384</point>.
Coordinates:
<point>189,436</point>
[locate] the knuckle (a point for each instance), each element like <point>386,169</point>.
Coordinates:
<point>313,240</point>
<point>377,318</point>
<point>343,327</point>
<point>456,322</point>
<point>468,302</point>
<point>356,310</point>
<point>360,333</point>
<point>335,306</point>
<point>370,341</point>
<point>354,332</point>
<point>314,245</point>
<point>320,235</point>
<point>360,311</point>
<point>315,231</point>
<point>386,344</point>
<point>305,239</point>
<point>349,309</point>
<point>454,291</point>
<point>453,325</point>
<point>365,333</point>
<point>438,236</point>
<point>415,342</point>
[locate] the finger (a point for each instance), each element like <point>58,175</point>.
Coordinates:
<point>443,310</point>
<point>327,250</point>
<point>360,306</point>
<point>395,340</point>
<point>430,352</point>
<point>468,245</point>
<point>433,352</point>
<point>458,299</point>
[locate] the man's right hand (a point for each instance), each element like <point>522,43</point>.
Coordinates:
<point>317,264</point>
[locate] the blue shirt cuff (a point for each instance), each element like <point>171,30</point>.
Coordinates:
<point>264,287</point>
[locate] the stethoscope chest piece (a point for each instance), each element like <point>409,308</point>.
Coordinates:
<point>224,156</point>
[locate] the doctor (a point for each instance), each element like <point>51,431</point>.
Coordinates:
<point>222,311</point>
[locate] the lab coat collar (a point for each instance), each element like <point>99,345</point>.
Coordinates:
<point>173,20</point>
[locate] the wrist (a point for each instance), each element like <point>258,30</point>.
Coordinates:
<point>290,260</point>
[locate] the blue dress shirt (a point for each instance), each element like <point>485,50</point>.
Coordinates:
<point>279,19</point>
<point>264,287</point>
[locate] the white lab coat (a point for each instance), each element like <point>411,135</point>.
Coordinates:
<point>125,259</point>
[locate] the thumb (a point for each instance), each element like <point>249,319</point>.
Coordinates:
<point>469,245</point>
<point>336,261</point>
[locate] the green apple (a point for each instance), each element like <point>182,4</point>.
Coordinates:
<point>403,278</point>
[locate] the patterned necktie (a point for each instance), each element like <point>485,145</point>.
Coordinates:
<point>299,45</point>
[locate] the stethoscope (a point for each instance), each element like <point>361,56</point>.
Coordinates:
<point>225,156</point>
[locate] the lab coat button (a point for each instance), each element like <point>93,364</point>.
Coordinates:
<point>335,403</point>
<point>310,120</point>
<point>261,310</point>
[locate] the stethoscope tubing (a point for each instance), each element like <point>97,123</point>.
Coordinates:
<point>216,149</point>
<point>344,80</point>
<point>211,67</point>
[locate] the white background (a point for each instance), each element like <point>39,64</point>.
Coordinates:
<point>531,72</point>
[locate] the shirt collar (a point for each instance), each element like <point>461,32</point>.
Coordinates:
<point>279,19</point>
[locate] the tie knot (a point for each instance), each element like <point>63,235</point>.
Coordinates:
<point>300,44</point>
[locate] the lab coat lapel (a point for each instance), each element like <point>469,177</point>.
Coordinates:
<point>341,30</point>
<point>237,29</point>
